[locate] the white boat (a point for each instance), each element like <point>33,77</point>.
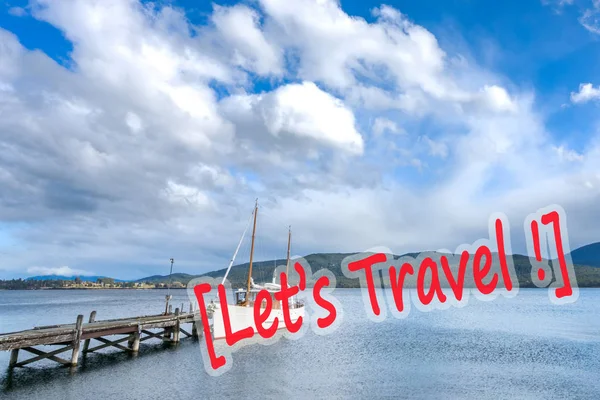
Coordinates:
<point>241,313</point>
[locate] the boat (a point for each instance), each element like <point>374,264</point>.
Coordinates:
<point>241,312</point>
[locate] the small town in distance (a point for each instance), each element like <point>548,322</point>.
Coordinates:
<point>85,283</point>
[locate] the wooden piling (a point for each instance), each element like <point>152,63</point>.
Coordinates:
<point>194,329</point>
<point>14,357</point>
<point>177,327</point>
<point>86,344</point>
<point>135,344</point>
<point>77,340</point>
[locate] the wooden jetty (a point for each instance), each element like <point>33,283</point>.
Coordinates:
<point>70,336</point>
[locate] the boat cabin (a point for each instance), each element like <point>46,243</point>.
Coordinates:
<point>240,298</point>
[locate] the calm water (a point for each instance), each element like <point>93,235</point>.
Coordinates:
<point>523,347</point>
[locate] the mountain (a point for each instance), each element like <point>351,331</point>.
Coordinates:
<point>69,278</point>
<point>586,260</point>
<point>587,255</point>
<point>177,277</point>
<point>263,271</point>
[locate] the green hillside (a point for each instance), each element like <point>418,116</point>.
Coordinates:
<point>263,271</point>
<point>176,277</point>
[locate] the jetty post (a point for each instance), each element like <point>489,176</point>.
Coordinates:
<point>14,357</point>
<point>86,344</point>
<point>134,343</point>
<point>77,340</point>
<point>177,327</point>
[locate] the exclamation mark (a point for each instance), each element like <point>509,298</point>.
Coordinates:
<point>537,249</point>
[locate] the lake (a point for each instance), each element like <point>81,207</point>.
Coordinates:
<point>524,347</point>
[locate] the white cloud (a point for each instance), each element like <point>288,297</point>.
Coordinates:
<point>590,19</point>
<point>62,271</point>
<point>17,11</point>
<point>436,149</point>
<point>155,142</point>
<point>337,50</point>
<point>186,195</point>
<point>239,27</point>
<point>566,154</point>
<point>497,98</point>
<point>587,92</point>
<point>558,3</point>
<point>382,125</point>
<point>298,110</point>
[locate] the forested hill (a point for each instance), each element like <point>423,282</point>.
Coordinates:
<point>263,271</point>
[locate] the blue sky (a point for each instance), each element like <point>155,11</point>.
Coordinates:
<point>134,134</point>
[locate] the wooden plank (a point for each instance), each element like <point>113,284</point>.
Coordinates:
<point>115,343</point>
<point>109,332</point>
<point>48,340</point>
<point>114,320</point>
<point>45,355</point>
<point>108,343</point>
<point>157,335</point>
<point>186,333</point>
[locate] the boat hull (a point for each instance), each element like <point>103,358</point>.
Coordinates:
<point>242,317</point>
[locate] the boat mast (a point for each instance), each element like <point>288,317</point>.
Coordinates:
<point>251,256</point>
<point>237,249</point>
<point>287,266</point>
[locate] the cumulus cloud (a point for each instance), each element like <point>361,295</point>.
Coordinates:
<point>299,110</point>
<point>587,92</point>
<point>158,136</point>
<point>240,30</point>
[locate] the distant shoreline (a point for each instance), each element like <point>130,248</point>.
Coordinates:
<point>92,288</point>
<point>337,287</point>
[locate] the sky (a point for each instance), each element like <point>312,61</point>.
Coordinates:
<point>132,132</point>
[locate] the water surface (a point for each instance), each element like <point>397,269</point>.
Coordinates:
<point>524,347</point>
